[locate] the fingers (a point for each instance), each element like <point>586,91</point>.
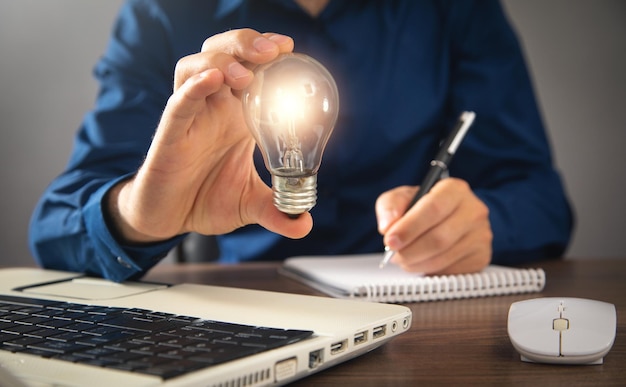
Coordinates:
<point>447,231</point>
<point>233,53</point>
<point>249,45</point>
<point>470,253</point>
<point>190,96</point>
<point>391,205</point>
<point>427,213</point>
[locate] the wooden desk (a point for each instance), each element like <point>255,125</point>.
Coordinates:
<point>451,342</point>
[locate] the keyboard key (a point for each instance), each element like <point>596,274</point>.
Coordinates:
<point>129,322</point>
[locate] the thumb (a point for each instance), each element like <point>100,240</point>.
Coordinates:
<point>261,210</point>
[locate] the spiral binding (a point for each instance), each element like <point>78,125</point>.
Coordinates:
<point>432,288</point>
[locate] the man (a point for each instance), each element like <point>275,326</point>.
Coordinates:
<point>405,70</point>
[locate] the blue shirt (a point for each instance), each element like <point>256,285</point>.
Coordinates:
<point>404,69</point>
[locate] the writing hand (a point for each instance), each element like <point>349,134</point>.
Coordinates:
<point>446,232</point>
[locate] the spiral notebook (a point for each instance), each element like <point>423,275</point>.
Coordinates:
<point>359,277</point>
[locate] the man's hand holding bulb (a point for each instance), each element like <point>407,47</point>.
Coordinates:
<point>199,175</point>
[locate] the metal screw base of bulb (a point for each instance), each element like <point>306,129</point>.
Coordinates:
<point>294,195</point>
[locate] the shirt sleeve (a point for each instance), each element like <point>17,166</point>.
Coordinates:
<point>506,153</point>
<point>68,229</point>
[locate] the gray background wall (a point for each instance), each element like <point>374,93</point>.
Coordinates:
<point>576,51</point>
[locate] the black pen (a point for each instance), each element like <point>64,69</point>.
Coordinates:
<point>438,166</point>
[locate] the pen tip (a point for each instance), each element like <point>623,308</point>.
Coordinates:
<point>387,257</point>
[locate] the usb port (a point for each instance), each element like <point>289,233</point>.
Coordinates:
<point>337,347</point>
<point>379,331</point>
<point>360,338</point>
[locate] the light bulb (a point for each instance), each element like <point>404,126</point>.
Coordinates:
<point>291,108</point>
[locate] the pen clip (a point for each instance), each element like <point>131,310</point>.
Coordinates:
<point>467,119</point>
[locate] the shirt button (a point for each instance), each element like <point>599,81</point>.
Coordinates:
<point>122,262</point>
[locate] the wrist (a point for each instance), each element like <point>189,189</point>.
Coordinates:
<point>117,219</point>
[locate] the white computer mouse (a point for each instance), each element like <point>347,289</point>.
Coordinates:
<point>562,330</point>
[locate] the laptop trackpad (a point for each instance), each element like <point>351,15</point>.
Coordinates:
<point>87,288</point>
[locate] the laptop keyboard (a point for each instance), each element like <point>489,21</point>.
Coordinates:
<point>137,340</point>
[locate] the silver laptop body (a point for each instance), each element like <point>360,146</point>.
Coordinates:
<point>342,329</point>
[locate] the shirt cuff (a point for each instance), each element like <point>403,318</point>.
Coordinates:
<point>119,262</point>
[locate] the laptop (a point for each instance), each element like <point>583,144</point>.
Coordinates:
<point>66,329</point>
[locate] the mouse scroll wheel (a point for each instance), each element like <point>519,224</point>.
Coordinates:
<point>560,324</point>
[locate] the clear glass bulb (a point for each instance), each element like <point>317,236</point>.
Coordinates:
<point>291,108</point>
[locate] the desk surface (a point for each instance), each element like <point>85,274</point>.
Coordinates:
<point>451,342</point>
